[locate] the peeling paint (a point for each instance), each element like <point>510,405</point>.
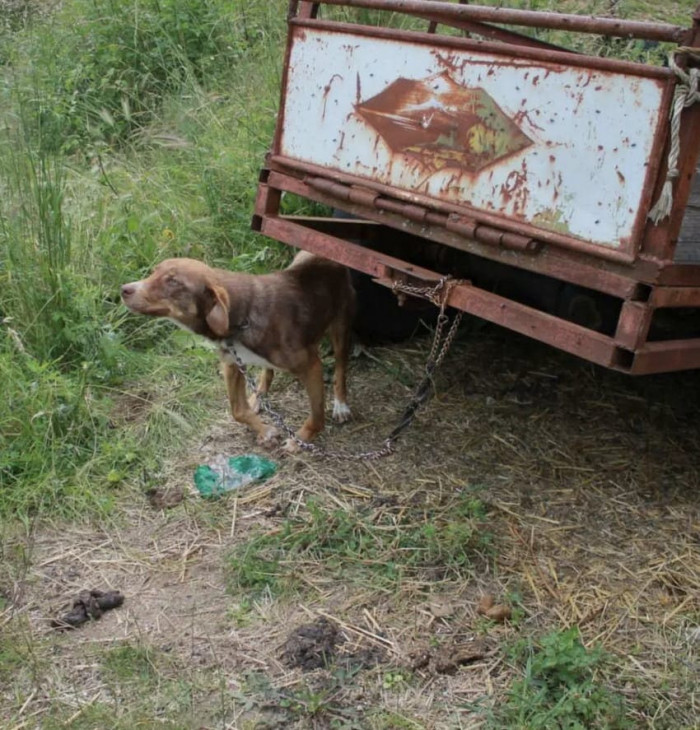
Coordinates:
<point>443,124</point>
<point>487,129</point>
<point>327,91</point>
<point>552,219</point>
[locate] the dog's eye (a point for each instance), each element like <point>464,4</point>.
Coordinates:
<point>172,280</point>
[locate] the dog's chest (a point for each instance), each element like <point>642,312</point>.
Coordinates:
<point>248,357</point>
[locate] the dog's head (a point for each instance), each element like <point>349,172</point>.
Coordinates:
<point>185,291</point>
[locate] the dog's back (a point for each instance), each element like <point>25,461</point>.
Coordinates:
<point>319,291</point>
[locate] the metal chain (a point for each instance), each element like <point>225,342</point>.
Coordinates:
<point>438,295</point>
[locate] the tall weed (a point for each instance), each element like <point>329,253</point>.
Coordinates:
<point>45,294</point>
<point>103,67</point>
<point>169,106</point>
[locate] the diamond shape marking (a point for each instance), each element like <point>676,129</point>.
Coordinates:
<point>443,124</point>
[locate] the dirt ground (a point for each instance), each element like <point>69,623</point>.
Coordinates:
<point>590,483</point>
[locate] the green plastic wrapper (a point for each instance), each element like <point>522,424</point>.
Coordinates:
<point>224,475</point>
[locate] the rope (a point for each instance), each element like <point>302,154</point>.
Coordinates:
<point>685,94</point>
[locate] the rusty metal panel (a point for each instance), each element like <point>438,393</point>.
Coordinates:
<point>458,234</point>
<point>633,325</point>
<point>518,317</point>
<point>665,357</point>
<point>449,12</point>
<point>675,296</point>
<point>566,149</point>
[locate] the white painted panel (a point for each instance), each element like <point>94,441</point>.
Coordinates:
<point>562,148</point>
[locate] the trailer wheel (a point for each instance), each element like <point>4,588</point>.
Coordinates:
<point>590,309</point>
<point>379,318</point>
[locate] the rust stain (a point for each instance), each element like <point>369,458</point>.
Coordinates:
<point>327,90</point>
<point>524,115</point>
<point>454,63</point>
<point>584,79</point>
<point>515,189</point>
<point>620,176</point>
<point>443,124</point>
<point>451,62</point>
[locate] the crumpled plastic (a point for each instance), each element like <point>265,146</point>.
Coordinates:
<point>225,474</point>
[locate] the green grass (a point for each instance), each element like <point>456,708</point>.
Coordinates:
<point>142,687</point>
<point>379,550</point>
<point>129,663</point>
<point>561,687</point>
<point>129,132</point>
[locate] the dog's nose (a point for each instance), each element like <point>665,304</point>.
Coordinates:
<point>128,290</point>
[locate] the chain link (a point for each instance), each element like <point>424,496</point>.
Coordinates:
<point>438,295</point>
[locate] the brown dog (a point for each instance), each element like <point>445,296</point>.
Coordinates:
<point>275,320</point>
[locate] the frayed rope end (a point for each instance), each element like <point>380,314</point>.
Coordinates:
<point>662,207</point>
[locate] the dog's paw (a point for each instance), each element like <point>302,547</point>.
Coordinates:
<point>270,437</point>
<point>302,441</point>
<point>291,446</point>
<point>341,411</point>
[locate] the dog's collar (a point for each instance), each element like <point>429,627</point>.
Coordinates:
<point>231,338</point>
<point>244,325</point>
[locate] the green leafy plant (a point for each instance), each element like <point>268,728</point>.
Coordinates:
<point>560,688</point>
<point>89,200</point>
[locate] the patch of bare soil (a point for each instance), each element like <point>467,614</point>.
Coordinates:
<point>591,485</point>
<point>311,646</point>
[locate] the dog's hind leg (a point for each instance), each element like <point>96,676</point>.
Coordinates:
<point>312,378</point>
<point>241,410</point>
<point>340,340</point>
<point>264,383</point>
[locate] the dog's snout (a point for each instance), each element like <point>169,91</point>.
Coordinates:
<point>128,290</point>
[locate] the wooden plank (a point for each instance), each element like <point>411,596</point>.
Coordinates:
<point>694,198</point>
<point>690,232</point>
<point>688,246</point>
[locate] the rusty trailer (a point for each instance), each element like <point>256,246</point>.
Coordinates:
<point>558,187</point>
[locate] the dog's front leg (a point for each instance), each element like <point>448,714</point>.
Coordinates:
<point>340,339</point>
<point>264,383</point>
<point>241,410</point>
<point>311,375</point>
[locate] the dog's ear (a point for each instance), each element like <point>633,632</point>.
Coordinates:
<point>217,319</point>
